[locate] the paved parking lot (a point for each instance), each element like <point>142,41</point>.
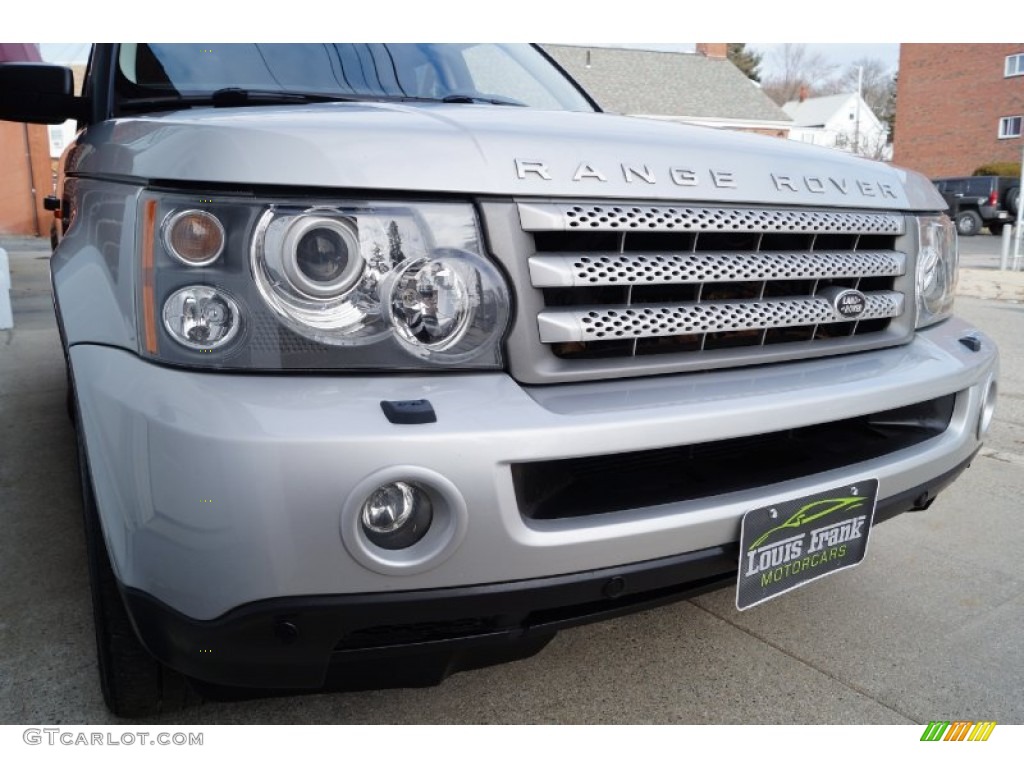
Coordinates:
<point>931,626</point>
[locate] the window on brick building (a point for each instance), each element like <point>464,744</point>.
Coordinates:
<point>1014,65</point>
<point>1009,127</point>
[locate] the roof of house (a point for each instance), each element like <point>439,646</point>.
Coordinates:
<point>636,82</point>
<point>813,113</point>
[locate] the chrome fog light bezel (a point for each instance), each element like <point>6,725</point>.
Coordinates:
<point>444,535</point>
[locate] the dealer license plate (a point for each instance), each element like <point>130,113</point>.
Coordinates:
<point>795,542</point>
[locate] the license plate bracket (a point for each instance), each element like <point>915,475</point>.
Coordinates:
<point>789,544</point>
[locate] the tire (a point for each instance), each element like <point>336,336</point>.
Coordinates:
<point>134,684</point>
<point>996,228</point>
<point>968,223</point>
<point>1013,200</point>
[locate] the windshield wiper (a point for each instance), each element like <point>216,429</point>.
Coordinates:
<point>240,97</point>
<point>243,97</point>
<point>462,98</point>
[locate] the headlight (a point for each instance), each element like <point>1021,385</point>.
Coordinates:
<point>936,269</point>
<point>441,308</point>
<point>324,285</point>
<point>199,317</point>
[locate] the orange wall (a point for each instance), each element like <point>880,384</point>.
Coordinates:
<point>16,215</point>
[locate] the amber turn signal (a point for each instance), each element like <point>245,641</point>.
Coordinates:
<point>196,238</point>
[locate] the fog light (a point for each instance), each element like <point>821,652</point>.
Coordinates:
<point>396,515</point>
<point>988,409</point>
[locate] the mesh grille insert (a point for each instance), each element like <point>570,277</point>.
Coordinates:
<point>636,321</point>
<point>706,219</point>
<point>619,268</point>
<point>633,280</point>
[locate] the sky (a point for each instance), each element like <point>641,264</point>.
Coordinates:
<point>841,54</point>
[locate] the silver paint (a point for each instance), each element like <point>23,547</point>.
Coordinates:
<point>279,456</point>
<point>483,149</point>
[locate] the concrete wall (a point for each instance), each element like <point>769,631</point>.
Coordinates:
<point>949,100</point>
<point>21,209</point>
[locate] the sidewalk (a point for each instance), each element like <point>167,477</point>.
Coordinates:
<point>991,284</point>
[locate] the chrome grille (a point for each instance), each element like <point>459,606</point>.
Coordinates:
<point>627,289</point>
<point>580,270</point>
<point>552,216</point>
<point>717,317</point>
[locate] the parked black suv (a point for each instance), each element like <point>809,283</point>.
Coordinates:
<point>977,201</point>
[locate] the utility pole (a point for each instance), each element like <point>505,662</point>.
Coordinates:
<point>856,128</point>
<point>1020,213</point>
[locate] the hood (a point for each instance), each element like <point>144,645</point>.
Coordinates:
<point>488,150</point>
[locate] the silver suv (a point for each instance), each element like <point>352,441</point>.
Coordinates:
<point>393,360</point>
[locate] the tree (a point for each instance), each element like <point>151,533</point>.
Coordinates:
<point>747,61</point>
<point>797,69</point>
<point>888,113</point>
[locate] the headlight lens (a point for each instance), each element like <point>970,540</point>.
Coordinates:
<point>341,286</point>
<point>321,256</point>
<point>443,308</point>
<point>196,238</point>
<point>936,269</point>
<point>200,317</point>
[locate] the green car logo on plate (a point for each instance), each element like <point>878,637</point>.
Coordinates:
<point>804,515</point>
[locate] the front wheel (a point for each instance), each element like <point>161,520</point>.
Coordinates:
<point>134,683</point>
<point>968,223</point>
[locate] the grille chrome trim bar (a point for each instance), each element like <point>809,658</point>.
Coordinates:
<point>589,217</point>
<point>579,270</point>
<point>648,321</point>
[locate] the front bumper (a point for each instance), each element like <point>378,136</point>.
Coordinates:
<point>418,638</point>
<point>216,491</point>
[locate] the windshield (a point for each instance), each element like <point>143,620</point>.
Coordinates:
<point>509,74</point>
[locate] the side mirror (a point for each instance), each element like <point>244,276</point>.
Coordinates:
<point>38,93</point>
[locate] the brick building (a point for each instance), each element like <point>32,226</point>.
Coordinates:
<point>25,167</point>
<point>959,106</point>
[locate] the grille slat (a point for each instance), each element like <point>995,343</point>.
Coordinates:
<point>607,323</point>
<point>579,270</point>
<point>554,217</point>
